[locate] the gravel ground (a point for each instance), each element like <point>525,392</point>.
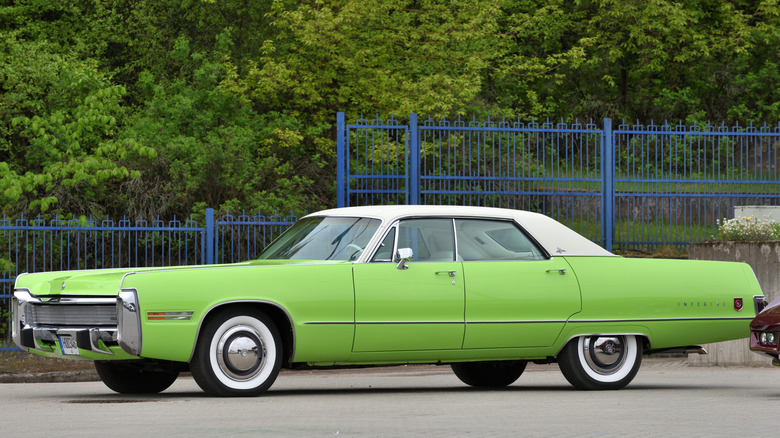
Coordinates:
<point>20,367</point>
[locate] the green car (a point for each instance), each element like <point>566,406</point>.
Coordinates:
<point>484,290</point>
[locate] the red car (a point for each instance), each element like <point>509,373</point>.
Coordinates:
<point>765,331</point>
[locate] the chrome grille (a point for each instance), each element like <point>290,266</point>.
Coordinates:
<point>71,315</point>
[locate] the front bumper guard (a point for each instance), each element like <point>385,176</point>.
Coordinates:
<point>129,321</point>
<point>87,338</point>
<point>127,333</point>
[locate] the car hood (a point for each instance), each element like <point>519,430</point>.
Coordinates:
<point>109,281</point>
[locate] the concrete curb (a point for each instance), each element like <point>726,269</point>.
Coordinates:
<point>53,377</point>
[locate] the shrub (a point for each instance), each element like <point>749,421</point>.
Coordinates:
<point>749,229</point>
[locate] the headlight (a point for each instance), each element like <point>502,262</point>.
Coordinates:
<point>768,338</point>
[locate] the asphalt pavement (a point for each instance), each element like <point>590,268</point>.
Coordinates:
<point>668,397</point>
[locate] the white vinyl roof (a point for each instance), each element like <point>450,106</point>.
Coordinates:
<point>556,238</point>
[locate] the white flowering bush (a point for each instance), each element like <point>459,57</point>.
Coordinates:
<point>749,229</point>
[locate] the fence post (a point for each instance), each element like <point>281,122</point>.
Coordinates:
<point>413,172</point>
<point>210,235</point>
<point>341,164</point>
<point>607,185</point>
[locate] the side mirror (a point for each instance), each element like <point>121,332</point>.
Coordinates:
<point>404,255</point>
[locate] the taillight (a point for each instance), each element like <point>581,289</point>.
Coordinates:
<point>760,303</point>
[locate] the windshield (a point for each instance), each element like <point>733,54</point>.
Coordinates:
<point>323,238</point>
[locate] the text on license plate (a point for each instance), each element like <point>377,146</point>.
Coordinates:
<point>68,345</point>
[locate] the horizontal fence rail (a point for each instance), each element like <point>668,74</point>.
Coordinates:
<point>38,245</point>
<point>635,187</point>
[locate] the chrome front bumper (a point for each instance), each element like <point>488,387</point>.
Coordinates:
<point>96,323</point>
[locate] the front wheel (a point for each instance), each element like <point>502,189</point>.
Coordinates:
<point>489,374</point>
<point>601,362</point>
<point>126,378</point>
<point>238,354</point>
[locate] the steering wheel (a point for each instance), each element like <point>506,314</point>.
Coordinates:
<point>353,251</point>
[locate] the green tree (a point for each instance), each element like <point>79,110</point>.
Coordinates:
<point>213,148</point>
<point>386,56</point>
<point>634,59</point>
<point>159,107</point>
<point>60,120</point>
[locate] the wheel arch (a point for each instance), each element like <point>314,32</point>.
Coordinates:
<point>278,314</point>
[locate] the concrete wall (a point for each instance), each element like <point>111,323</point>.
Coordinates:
<point>764,258</point>
<point>768,212</point>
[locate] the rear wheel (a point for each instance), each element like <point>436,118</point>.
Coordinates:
<point>126,378</point>
<point>601,362</point>
<point>489,374</point>
<point>238,354</point>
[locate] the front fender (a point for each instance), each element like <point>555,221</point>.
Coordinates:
<point>173,304</point>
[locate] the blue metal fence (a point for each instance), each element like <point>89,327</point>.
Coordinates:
<point>39,245</point>
<point>631,188</point>
<point>672,183</point>
<point>243,237</point>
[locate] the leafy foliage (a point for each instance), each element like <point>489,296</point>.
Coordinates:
<point>161,107</point>
<point>386,55</point>
<point>634,59</point>
<point>60,117</point>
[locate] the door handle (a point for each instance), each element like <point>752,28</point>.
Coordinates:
<point>450,273</point>
<point>560,271</point>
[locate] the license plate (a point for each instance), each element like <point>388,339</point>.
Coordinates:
<point>68,345</point>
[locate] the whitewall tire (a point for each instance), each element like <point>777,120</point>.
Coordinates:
<point>601,361</point>
<point>238,354</point>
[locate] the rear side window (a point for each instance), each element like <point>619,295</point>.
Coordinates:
<point>483,240</point>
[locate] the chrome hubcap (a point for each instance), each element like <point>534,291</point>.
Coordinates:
<point>241,353</point>
<point>604,354</point>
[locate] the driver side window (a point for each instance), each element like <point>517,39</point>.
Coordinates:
<point>430,240</point>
